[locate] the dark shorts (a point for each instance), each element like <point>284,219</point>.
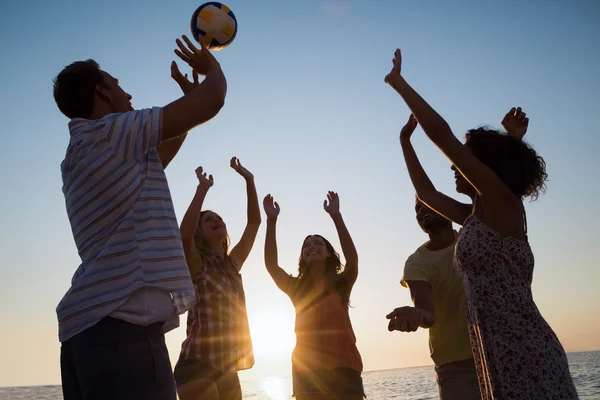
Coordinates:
<point>336,383</point>
<point>189,370</point>
<point>119,361</point>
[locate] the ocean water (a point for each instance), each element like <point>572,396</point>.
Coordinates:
<point>401,384</point>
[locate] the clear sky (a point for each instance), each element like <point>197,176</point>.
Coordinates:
<point>307,111</point>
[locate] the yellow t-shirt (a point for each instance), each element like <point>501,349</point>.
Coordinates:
<point>449,336</point>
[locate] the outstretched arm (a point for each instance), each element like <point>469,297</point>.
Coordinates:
<point>241,251</point>
<point>516,123</point>
<point>281,278</point>
<point>168,149</point>
<point>191,219</point>
<point>426,191</point>
<point>204,101</point>
<point>479,175</point>
<point>409,319</point>
<point>332,206</point>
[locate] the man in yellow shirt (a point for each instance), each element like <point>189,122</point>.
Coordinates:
<point>439,305</point>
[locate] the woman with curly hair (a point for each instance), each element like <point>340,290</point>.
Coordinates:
<point>517,354</point>
<point>325,362</point>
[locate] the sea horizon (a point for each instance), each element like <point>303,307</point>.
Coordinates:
<point>402,383</point>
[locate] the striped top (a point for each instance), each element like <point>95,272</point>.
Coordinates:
<point>218,332</point>
<point>122,218</point>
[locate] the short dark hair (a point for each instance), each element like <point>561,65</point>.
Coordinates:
<point>515,162</point>
<point>74,88</point>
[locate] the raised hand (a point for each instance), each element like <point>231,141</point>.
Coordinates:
<point>271,207</point>
<point>201,60</point>
<point>405,319</point>
<point>332,203</point>
<point>240,169</point>
<point>408,128</point>
<point>182,80</point>
<point>396,67</point>
<point>516,122</point>
<point>205,182</point>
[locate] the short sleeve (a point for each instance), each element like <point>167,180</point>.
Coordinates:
<point>414,270</point>
<point>135,133</point>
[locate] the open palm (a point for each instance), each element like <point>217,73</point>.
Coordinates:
<point>332,203</point>
<point>271,207</point>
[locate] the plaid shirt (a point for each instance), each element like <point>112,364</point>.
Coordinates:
<point>217,327</point>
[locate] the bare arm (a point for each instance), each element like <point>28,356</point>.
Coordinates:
<point>426,191</point>
<point>241,251</point>
<point>422,315</point>
<point>204,101</point>
<point>420,292</point>
<point>167,150</point>
<point>516,123</point>
<point>332,206</point>
<point>281,278</point>
<point>191,219</point>
<point>479,175</point>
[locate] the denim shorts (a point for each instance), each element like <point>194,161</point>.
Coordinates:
<point>191,369</point>
<point>335,383</point>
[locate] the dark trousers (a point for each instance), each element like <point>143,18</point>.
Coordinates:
<point>116,360</point>
<point>458,381</point>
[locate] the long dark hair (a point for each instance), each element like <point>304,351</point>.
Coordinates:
<point>200,242</point>
<point>333,267</point>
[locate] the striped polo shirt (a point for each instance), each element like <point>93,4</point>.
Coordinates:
<point>122,218</point>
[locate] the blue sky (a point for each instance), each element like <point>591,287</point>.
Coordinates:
<point>307,111</point>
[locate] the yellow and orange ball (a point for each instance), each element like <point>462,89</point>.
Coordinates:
<point>216,23</point>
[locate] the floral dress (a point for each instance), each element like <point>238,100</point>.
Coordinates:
<point>517,354</point>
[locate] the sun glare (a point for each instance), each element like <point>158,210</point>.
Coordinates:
<point>273,336</point>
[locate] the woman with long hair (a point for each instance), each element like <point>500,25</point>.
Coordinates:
<point>326,363</point>
<point>218,342</point>
<point>517,354</point>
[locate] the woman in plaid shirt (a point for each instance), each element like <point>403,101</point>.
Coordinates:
<point>325,363</point>
<point>218,340</point>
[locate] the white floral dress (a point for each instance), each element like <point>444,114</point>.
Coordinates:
<point>516,352</point>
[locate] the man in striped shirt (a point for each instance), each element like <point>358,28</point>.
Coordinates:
<point>133,281</point>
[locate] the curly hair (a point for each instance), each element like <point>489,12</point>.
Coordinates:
<point>515,162</point>
<point>333,265</point>
<point>74,88</point>
<point>200,242</point>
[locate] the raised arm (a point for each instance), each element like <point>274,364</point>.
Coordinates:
<point>332,206</point>
<point>191,219</point>
<point>281,278</point>
<point>201,103</point>
<point>479,175</point>
<point>168,149</point>
<point>426,191</point>
<point>516,123</point>
<point>241,251</point>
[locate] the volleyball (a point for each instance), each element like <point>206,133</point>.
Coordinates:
<point>216,23</point>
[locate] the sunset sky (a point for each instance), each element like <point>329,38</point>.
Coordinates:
<point>307,111</point>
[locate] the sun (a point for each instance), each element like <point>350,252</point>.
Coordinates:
<point>273,337</point>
